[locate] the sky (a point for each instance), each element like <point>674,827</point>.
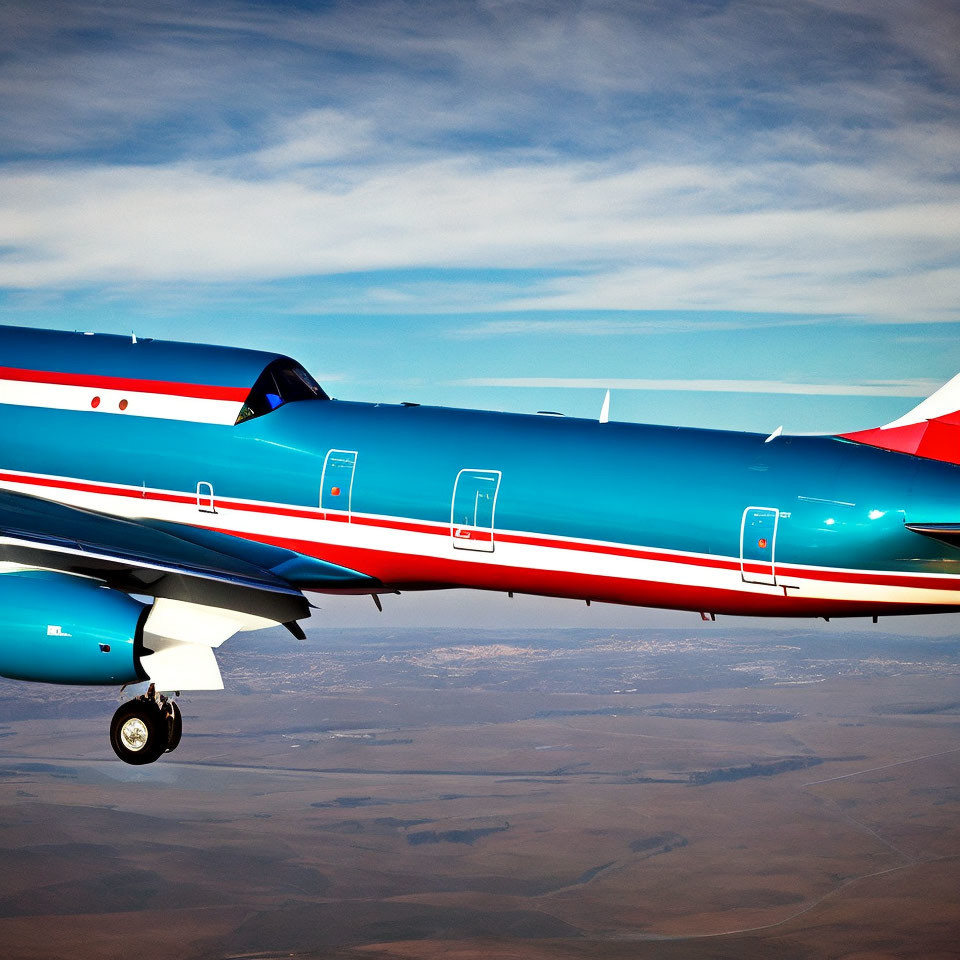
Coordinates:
<point>738,214</point>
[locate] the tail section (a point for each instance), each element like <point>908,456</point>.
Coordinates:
<point>931,429</point>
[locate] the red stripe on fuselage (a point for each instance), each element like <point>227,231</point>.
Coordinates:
<point>394,570</point>
<point>916,581</point>
<point>196,391</point>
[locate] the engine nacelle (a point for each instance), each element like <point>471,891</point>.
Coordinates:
<point>57,628</point>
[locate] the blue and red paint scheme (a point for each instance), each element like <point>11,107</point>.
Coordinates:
<point>240,485</point>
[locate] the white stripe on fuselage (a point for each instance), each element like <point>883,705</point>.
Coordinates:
<point>162,406</point>
<point>548,555</point>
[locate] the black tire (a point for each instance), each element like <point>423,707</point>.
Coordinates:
<point>138,732</point>
<point>174,726</point>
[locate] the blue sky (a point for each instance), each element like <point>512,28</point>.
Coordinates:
<point>452,201</point>
<point>738,214</point>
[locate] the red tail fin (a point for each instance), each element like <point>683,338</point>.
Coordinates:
<point>930,430</point>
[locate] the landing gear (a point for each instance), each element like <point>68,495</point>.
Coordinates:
<point>174,726</point>
<point>145,728</point>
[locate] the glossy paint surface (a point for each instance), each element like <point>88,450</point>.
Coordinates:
<point>426,497</point>
<point>108,355</point>
<point>61,629</point>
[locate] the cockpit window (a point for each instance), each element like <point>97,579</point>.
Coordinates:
<point>282,381</point>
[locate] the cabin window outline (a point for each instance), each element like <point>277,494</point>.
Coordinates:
<point>479,537</point>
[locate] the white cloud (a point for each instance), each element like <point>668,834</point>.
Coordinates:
<point>868,388</point>
<point>605,326</point>
<point>622,155</point>
<point>317,136</point>
<point>630,236</point>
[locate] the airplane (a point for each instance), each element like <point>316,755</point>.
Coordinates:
<point>158,497</point>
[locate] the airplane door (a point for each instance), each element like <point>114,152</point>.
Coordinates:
<point>758,540</point>
<point>205,502</point>
<point>472,512</point>
<point>336,482</point>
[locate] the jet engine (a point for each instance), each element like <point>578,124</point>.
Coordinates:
<point>60,628</point>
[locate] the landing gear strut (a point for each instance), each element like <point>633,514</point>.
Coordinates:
<point>146,727</point>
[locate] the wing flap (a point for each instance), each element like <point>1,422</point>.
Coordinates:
<point>175,665</point>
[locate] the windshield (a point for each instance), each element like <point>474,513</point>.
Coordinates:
<point>282,381</point>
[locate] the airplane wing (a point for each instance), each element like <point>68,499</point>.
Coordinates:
<point>948,533</point>
<point>297,569</point>
<point>166,560</point>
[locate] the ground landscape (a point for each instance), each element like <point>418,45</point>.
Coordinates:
<point>379,795</point>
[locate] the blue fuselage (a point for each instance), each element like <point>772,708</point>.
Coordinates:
<point>423,497</point>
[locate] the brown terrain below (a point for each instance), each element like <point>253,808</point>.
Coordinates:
<point>512,796</point>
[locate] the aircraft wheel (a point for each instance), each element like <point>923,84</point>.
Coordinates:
<point>174,726</point>
<point>139,731</point>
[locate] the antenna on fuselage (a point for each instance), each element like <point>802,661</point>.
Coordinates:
<point>776,433</point>
<point>605,409</point>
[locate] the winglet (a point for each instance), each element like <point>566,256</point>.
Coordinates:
<point>931,429</point>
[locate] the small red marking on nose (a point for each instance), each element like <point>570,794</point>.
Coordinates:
<point>335,491</point>
<point>762,543</point>
<point>95,402</point>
